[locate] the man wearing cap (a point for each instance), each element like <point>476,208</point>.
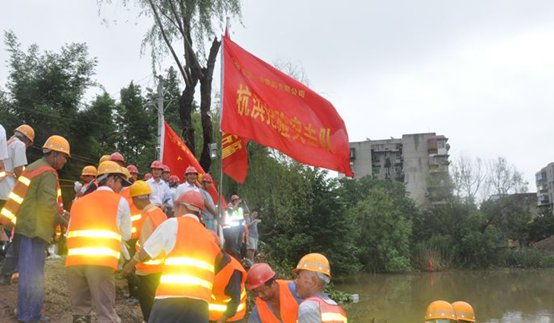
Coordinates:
<point>192,260</point>
<point>313,273</point>
<point>276,300</point>
<point>148,272</point>
<point>233,226</point>
<point>161,193</point>
<point>100,222</point>
<point>14,164</point>
<point>35,204</point>
<point>209,214</point>
<point>191,182</point>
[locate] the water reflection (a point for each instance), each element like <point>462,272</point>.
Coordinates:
<point>496,296</point>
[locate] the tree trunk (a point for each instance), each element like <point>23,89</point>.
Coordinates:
<point>205,105</point>
<point>185,112</point>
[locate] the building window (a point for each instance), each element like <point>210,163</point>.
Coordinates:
<point>441,144</point>
<point>375,171</point>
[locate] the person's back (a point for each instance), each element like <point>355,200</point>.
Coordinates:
<point>16,158</point>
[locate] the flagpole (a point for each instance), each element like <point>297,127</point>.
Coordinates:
<point>219,201</point>
<point>160,118</point>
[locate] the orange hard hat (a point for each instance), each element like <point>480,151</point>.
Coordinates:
<point>89,170</point>
<point>463,311</point>
<point>132,169</point>
<point>192,199</point>
<point>258,275</point>
<point>57,143</point>
<point>440,310</point>
<point>191,170</point>
<point>156,164</point>
<point>314,262</point>
<point>207,178</point>
<point>117,157</point>
<point>174,179</point>
<point>166,169</point>
<point>147,176</point>
<point>27,131</point>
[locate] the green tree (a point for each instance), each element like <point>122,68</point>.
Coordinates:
<point>189,23</point>
<point>136,122</point>
<point>383,232</point>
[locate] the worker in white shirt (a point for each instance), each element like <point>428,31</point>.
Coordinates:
<point>161,193</point>
<point>14,164</point>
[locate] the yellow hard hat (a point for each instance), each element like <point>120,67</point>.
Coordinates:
<point>126,172</point>
<point>27,131</point>
<point>463,311</point>
<point>103,159</point>
<point>440,310</point>
<point>140,188</point>
<point>110,167</point>
<point>57,143</point>
<point>314,262</point>
<point>89,170</point>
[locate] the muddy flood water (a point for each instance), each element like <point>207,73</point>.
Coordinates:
<point>525,296</point>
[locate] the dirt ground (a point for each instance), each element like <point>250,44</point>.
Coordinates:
<point>56,301</point>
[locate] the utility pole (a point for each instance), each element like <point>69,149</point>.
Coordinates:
<point>160,116</point>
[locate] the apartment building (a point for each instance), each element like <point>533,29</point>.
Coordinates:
<point>420,161</point>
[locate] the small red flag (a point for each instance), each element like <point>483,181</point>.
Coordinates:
<point>178,157</point>
<point>235,157</point>
<point>263,104</point>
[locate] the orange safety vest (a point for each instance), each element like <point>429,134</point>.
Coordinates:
<point>329,313</point>
<point>136,214</point>
<point>189,269</point>
<point>287,302</point>
<point>218,304</point>
<point>19,192</point>
<point>152,266</point>
<point>93,237</point>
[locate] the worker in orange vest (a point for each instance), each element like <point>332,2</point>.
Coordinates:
<point>87,175</point>
<point>35,205</point>
<point>464,312</point>
<point>276,300</point>
<point>136,223</point>
<point>100,221</point>
<point>229,296</point>
<point>313,273</point>
<point>192,260</point>
<point>148,272</point>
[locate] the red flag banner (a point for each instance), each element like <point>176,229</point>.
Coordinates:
<point>178,157</point>
<point>235,157</point>
<point>263,104</point>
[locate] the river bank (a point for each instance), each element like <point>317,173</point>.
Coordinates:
<point>56,301</point>
<point>504,295</point>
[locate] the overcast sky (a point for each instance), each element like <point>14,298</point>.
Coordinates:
<point>479,72</point>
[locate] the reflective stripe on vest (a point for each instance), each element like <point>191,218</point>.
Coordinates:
<point>17,196</point>
<point>136,214</point>
<point>219,301</point>
<point>188,270</point>
<point>329,313</point>
<point>287,301</point>
<point>93,237</point>
<point>234,218</point>
<point>157,217</point>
